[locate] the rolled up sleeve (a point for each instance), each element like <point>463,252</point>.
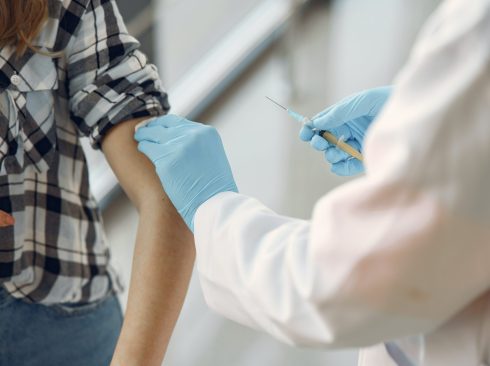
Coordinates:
<point>110,81</point>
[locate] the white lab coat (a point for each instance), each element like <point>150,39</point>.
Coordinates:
<point>404,249</point>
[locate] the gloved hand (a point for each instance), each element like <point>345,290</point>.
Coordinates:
<point>348,119</point>
<point>189,159</point>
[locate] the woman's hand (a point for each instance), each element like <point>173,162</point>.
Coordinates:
<point>6,220</point>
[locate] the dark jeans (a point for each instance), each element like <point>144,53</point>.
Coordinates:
<point>38,335</point>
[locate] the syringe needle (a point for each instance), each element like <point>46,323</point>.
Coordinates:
<point>279,105</point>
<point>298,117</point>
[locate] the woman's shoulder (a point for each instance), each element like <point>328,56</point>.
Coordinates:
<point>68,10</point>
<point>57,7</point>
<point>64,18</point>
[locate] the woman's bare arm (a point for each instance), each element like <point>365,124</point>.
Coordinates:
<point>163,256</point>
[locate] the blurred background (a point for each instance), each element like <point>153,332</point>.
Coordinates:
<point>218,59</point>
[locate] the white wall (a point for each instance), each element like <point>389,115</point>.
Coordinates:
<point>187,29</point>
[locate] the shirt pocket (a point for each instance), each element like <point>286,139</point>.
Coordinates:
<point>28,140</point>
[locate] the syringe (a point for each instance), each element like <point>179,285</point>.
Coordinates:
<point>325,134</point>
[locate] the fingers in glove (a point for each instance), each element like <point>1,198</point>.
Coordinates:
<point>336,115</point>
<point>319,143</point>
<point>335,155</point>
<point>153,151</point>
<point>162,135</point>
<point>152,134</point>
<point>169,121</point>
<point>343,132</point>
<point>365,103</point>
<point>306,133</point>
<point>348,167</point>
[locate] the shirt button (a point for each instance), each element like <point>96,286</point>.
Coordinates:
<point>15,80</point>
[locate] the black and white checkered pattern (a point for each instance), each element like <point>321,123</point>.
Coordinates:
<point>56,251</point>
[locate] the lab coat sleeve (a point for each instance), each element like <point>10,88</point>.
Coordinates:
<point>396,252</point>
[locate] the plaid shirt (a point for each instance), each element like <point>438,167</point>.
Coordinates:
<point>56,251</point>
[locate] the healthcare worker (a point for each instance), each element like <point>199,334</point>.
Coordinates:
<point>402,250</point>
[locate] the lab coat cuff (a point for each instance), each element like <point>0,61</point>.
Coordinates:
<point>205,210</point>
<point>204,224</point>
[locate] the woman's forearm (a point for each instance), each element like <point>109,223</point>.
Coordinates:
<point>163,257</point>
<point>162,266</point>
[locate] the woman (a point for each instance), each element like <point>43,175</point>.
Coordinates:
<point>69,69</point>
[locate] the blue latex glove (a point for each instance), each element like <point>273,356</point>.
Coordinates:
<point>189,159</point>
<point>350,118</point>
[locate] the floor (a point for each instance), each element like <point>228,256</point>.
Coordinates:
<point>335,48</point>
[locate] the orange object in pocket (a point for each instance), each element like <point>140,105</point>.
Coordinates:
<point>6,219</point>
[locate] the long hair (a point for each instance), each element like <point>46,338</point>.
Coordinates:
<point>20,23</point>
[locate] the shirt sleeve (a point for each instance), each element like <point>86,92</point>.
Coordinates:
<point>399,251</point>
<point>109,79</point>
